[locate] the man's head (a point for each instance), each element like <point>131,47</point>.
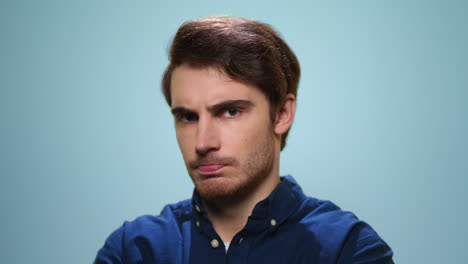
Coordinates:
<point>231,84</point>
<point>245,50</point>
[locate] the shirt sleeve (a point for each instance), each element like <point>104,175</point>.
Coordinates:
<point>364,246</point>
<point>111,252</point>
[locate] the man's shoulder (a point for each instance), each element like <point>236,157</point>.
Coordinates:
<point>314,211</point>
<point>337,230</point>
<point>323,217</point>
<point>148,234</point>
<point>172,216</point>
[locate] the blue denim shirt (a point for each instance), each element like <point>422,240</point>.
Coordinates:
<point>286,227</point>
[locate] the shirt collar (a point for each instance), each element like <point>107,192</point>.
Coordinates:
<point>277,207</point>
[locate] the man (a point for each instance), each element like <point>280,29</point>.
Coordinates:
<point>231,85</point>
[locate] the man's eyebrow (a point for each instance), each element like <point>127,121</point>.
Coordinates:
<point>246,104</point>
<point>180,110</point>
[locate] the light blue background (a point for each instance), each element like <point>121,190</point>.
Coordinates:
<point>87,140</point>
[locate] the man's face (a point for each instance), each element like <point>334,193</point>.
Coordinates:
<point>224,131</point>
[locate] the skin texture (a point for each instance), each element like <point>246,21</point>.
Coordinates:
<point>229,144</point>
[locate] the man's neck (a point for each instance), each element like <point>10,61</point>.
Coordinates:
<point>230,217</point>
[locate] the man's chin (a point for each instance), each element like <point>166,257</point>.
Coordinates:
<point>217,188</point>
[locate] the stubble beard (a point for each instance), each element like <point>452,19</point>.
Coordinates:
<point>250,174</point>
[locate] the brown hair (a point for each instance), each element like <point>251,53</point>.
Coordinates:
<point>246,50</point>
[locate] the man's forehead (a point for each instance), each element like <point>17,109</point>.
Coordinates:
<point>206,86</point>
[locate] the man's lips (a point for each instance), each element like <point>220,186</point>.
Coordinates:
<point>210,168</point>
<point>211,165</point>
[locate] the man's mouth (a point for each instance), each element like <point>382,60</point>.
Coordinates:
<point>210,169</point>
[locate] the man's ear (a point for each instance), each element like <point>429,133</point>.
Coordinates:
<point>285,114</point>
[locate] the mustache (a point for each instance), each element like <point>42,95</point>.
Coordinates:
<point>211,159</point>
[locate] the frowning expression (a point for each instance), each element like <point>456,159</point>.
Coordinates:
<point>224,131</point>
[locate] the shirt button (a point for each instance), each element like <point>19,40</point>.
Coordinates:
<point>214,243</point>
<point>197,208</point>
<point>198,223</point>
<point>273,222</point>
<point>240,240</point>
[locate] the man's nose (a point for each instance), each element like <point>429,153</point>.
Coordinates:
<point>207,138</point>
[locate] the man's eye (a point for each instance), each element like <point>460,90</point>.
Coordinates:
<point>188,118</point>
<point>231,112</point>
